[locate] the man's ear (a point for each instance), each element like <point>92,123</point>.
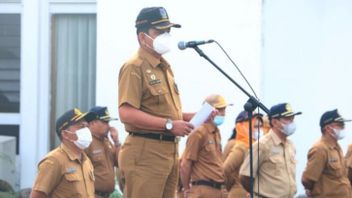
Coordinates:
<point>64,134</point>
<point>141,37</point>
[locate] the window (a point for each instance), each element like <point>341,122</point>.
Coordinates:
<point>10,67</point>
<point>73,64</point>
<point>10,62</point>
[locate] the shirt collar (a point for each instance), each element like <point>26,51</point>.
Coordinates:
<point>329,141</point>
<point>211,127</point>
<point>275,138</point>
<point>101,139</point>
<point>152,60</point>
<point>71,154</point>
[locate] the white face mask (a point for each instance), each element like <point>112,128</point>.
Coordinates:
<point>84,138</point>
<point>257,134</point>
<point>339,133</point>
<point>288,129</point>
<point>162,43</point>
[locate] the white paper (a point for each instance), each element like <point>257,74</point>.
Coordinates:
<point>202,115</point>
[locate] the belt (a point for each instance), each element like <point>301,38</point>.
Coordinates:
<point>156,136</point>
<point>212,184</point>
<point>259,195</point>
<point>102,194</point>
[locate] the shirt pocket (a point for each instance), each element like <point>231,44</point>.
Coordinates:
<point>335,169</point>
<point>276,162</point>
<point>210,147</point>
<point>73,177</point>
<point>97,155</point>
<point>158,94</point>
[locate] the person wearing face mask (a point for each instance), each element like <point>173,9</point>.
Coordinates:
<point>274,157</point>
<point>242,122</point>
<point>67,171</point>
<point>201,165</point>
<point>102,152</point>
<point>325,174</point>
<point>150,108</point>
<point>239,151</point>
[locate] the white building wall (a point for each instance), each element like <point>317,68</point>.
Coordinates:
<point>29,133</point>
<point>307,62</point>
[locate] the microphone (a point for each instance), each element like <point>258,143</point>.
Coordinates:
<point>190,44</point>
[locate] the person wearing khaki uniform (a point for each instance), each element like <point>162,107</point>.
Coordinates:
<point>150,108</point>
<point>242,117</point>
<point>102,152</point>
<point>348,159</point>
<point>326,174</point>
<point>67,171</point>
<point>239,152</point>
<point>274,162</point>
<point>201,165</point>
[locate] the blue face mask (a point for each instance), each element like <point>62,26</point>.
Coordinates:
<point>218,120</point>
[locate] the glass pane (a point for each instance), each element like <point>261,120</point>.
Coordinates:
<point>73,64</point>
<point>10,62</point>
<point>11,130</point>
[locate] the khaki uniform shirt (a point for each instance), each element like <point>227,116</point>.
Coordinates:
<point>62,174</point>
<point>228,148</point>
<point>326,167</point>
<point>233,164</point>
<point>148,84</point>
<point>348,157</point>
<point>203,148</point>
<point>275,167</point>
<point>102,154</point>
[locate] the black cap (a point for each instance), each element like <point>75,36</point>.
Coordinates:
<point>282,110</point>
<point>99,113</point>
<point>243,116</point>
<point>155,17</point>
<point>69,118</point>
<point>330,117</point>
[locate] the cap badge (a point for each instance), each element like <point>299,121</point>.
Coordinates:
<point>288,108</point>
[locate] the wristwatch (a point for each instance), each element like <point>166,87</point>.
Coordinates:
<point>168,125</point>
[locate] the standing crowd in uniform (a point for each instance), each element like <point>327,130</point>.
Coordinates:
<point>148,164</point>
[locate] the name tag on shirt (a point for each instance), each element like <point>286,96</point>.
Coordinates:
<point>275,151</point>
<point>71,170</point>
<point>97,151</point>
<point>332,160</point>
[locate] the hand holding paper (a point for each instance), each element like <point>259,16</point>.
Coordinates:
<point>202,115</point>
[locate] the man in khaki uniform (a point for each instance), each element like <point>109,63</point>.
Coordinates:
<point>102,152</point>
<point>274,163</point>
<point>242,123</point>
<point>326,173</point>
<point>201,165</point>
<point>239,151</point>
<point>67,171</point>
<point>348,159</point>
<point>150,108</point>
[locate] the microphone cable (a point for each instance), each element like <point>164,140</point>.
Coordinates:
<point>258,111</point>
<point>238,69</point>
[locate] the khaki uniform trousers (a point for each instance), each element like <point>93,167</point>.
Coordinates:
<point>237,191</point>
<point>201,191</point>
<point>149,167</point>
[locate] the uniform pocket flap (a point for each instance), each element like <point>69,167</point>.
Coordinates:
<point>71,177</point>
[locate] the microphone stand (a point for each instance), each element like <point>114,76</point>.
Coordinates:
<point>250,105</point>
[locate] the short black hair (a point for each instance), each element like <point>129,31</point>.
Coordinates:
<point>234,134</point>
<point>142,29</point>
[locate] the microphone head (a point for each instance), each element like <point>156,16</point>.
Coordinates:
<point>181,45</point>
